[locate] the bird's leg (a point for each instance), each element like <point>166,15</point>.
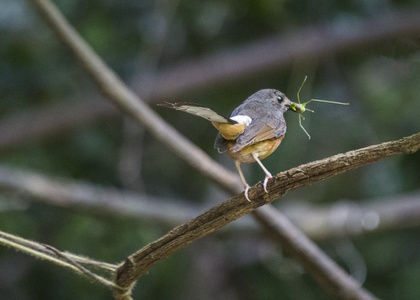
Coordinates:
<point>267,174</point>
<point>246,186</point>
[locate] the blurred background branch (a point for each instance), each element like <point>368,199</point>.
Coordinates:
<point>319,222</point>
<point>227,67</point>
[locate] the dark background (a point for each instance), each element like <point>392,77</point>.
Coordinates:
<point>376,71</point>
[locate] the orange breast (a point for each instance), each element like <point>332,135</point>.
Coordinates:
<point>229,131</point>
<point>263,149</point>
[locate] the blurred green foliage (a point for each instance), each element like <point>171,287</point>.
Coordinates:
<point>136,37</point>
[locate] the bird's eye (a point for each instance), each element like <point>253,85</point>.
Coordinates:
<point>280,99</point>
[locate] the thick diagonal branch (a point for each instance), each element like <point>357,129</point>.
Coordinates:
<point>140,262</point>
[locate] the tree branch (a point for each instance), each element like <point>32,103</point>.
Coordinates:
<point>323,269</point>
<point>226,66</point>
<point>37,124</point>
<point>268,54</point>
<point>317,222</point>
<point>140,262</point>
<point>115,90</point>
<point>97,200</point>
<point>67,260</point>
<point>353,219</point>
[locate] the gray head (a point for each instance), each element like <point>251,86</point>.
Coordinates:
<point>264,101</point>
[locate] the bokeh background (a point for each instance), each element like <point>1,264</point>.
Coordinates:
<point>53,123</point>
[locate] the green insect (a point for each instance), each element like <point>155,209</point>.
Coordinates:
<point>301,107</point>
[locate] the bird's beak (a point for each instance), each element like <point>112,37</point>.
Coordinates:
<point>293,106</point>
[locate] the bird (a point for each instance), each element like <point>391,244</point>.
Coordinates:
<point>253,131</point>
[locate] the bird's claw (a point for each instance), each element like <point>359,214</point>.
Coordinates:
<point>246,192</point>
<point>267,176</point>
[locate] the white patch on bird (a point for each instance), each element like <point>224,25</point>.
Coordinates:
<point>242,119</point>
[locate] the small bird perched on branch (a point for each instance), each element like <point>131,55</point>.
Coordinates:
<point>254,130</point>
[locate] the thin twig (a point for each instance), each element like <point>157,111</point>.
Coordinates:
<point>83,270</point>
<point>70,261</point>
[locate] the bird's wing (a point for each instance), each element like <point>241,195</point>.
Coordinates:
<point>198,110</point>
<point>261,130</point>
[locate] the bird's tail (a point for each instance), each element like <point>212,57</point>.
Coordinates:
<point>199,110</point>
